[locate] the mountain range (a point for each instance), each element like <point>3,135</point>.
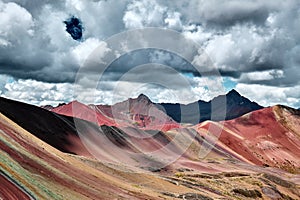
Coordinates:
<point>143,113</point>
<point>222,107</point>
<point>137,149</point>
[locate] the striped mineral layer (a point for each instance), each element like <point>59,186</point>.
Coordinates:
<point>46,155</point>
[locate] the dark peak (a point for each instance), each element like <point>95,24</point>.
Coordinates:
<point>142,96</point>
<point>61,104</point>
<point>233,92</point>
<point>232,96</point>
<point>47,107</point>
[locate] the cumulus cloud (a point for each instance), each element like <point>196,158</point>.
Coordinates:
<point>261,76</point>
<point>28,50</point>
<point>36,45</point>
<point>249,46</point>
<point>234,11</point>
<point>39,93</point>
<point>137,15</point>
<point>82,51</point>
<point>17,31</point>
<point>256,43</point>
<point>271,95</point>
<point>238,37</point>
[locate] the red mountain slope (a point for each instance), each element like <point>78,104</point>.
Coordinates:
<point>43,154</point>
<point>269,136</point>
<point>81,111</point>
<point>139,112</point>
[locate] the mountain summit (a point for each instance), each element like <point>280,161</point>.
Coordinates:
<point>223,107</point>
<point>233,92</point>
<point>143,97</point>
<point>58,152</point>
<point>236,105</point>
<point>143,112</point>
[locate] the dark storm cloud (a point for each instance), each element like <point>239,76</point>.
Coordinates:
<point>240,37</point>
<point>144,56</point>
<point>34,42</point>
<point>74,28</point>
<point>227,13</point>
<point>35,6</point>
<point>27,48</point>
<point>253,43</point>
<point>246,36</point>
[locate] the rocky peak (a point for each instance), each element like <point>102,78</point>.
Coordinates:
<point>143,97</point>
<point>233,92</point>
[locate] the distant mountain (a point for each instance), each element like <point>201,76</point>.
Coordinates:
<point>140,112</point>
<point>82,111</point>
<point>76,159</point>
<point>223,107</point>
<point>137,112</point>
<point>143,113</point>
<point>47,107</point>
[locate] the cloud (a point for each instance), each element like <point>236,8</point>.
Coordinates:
<point>252,42</point>
<point>271,95</point>
<point>111,92</point>
<point>173,20</point>
<point>101,19</point>
<point>82,51</point>
<point>40,93</point>
<point>36,45</point>
<point>74,28</point>
<point>144,13</point>
<point>29,49</point>
<point>234,11</point>
<point>238,37</point>
<point>256,77</point>
<point>16,31</point>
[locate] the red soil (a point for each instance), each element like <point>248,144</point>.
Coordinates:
<point>76,174</point>
<point>261,138</point>
<point>81,111</point>
<point>9,191</point>
<point>139,112</point>
<point>269,136</point>
<point>257,138</point>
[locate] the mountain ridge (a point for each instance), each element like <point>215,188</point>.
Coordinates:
<point>222,107</point>
<point>258,152</point>
<point>230,105</point>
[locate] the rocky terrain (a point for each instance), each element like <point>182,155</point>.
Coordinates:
<point>134,150</point>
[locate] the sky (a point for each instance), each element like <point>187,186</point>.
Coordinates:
<point>172,51</point>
